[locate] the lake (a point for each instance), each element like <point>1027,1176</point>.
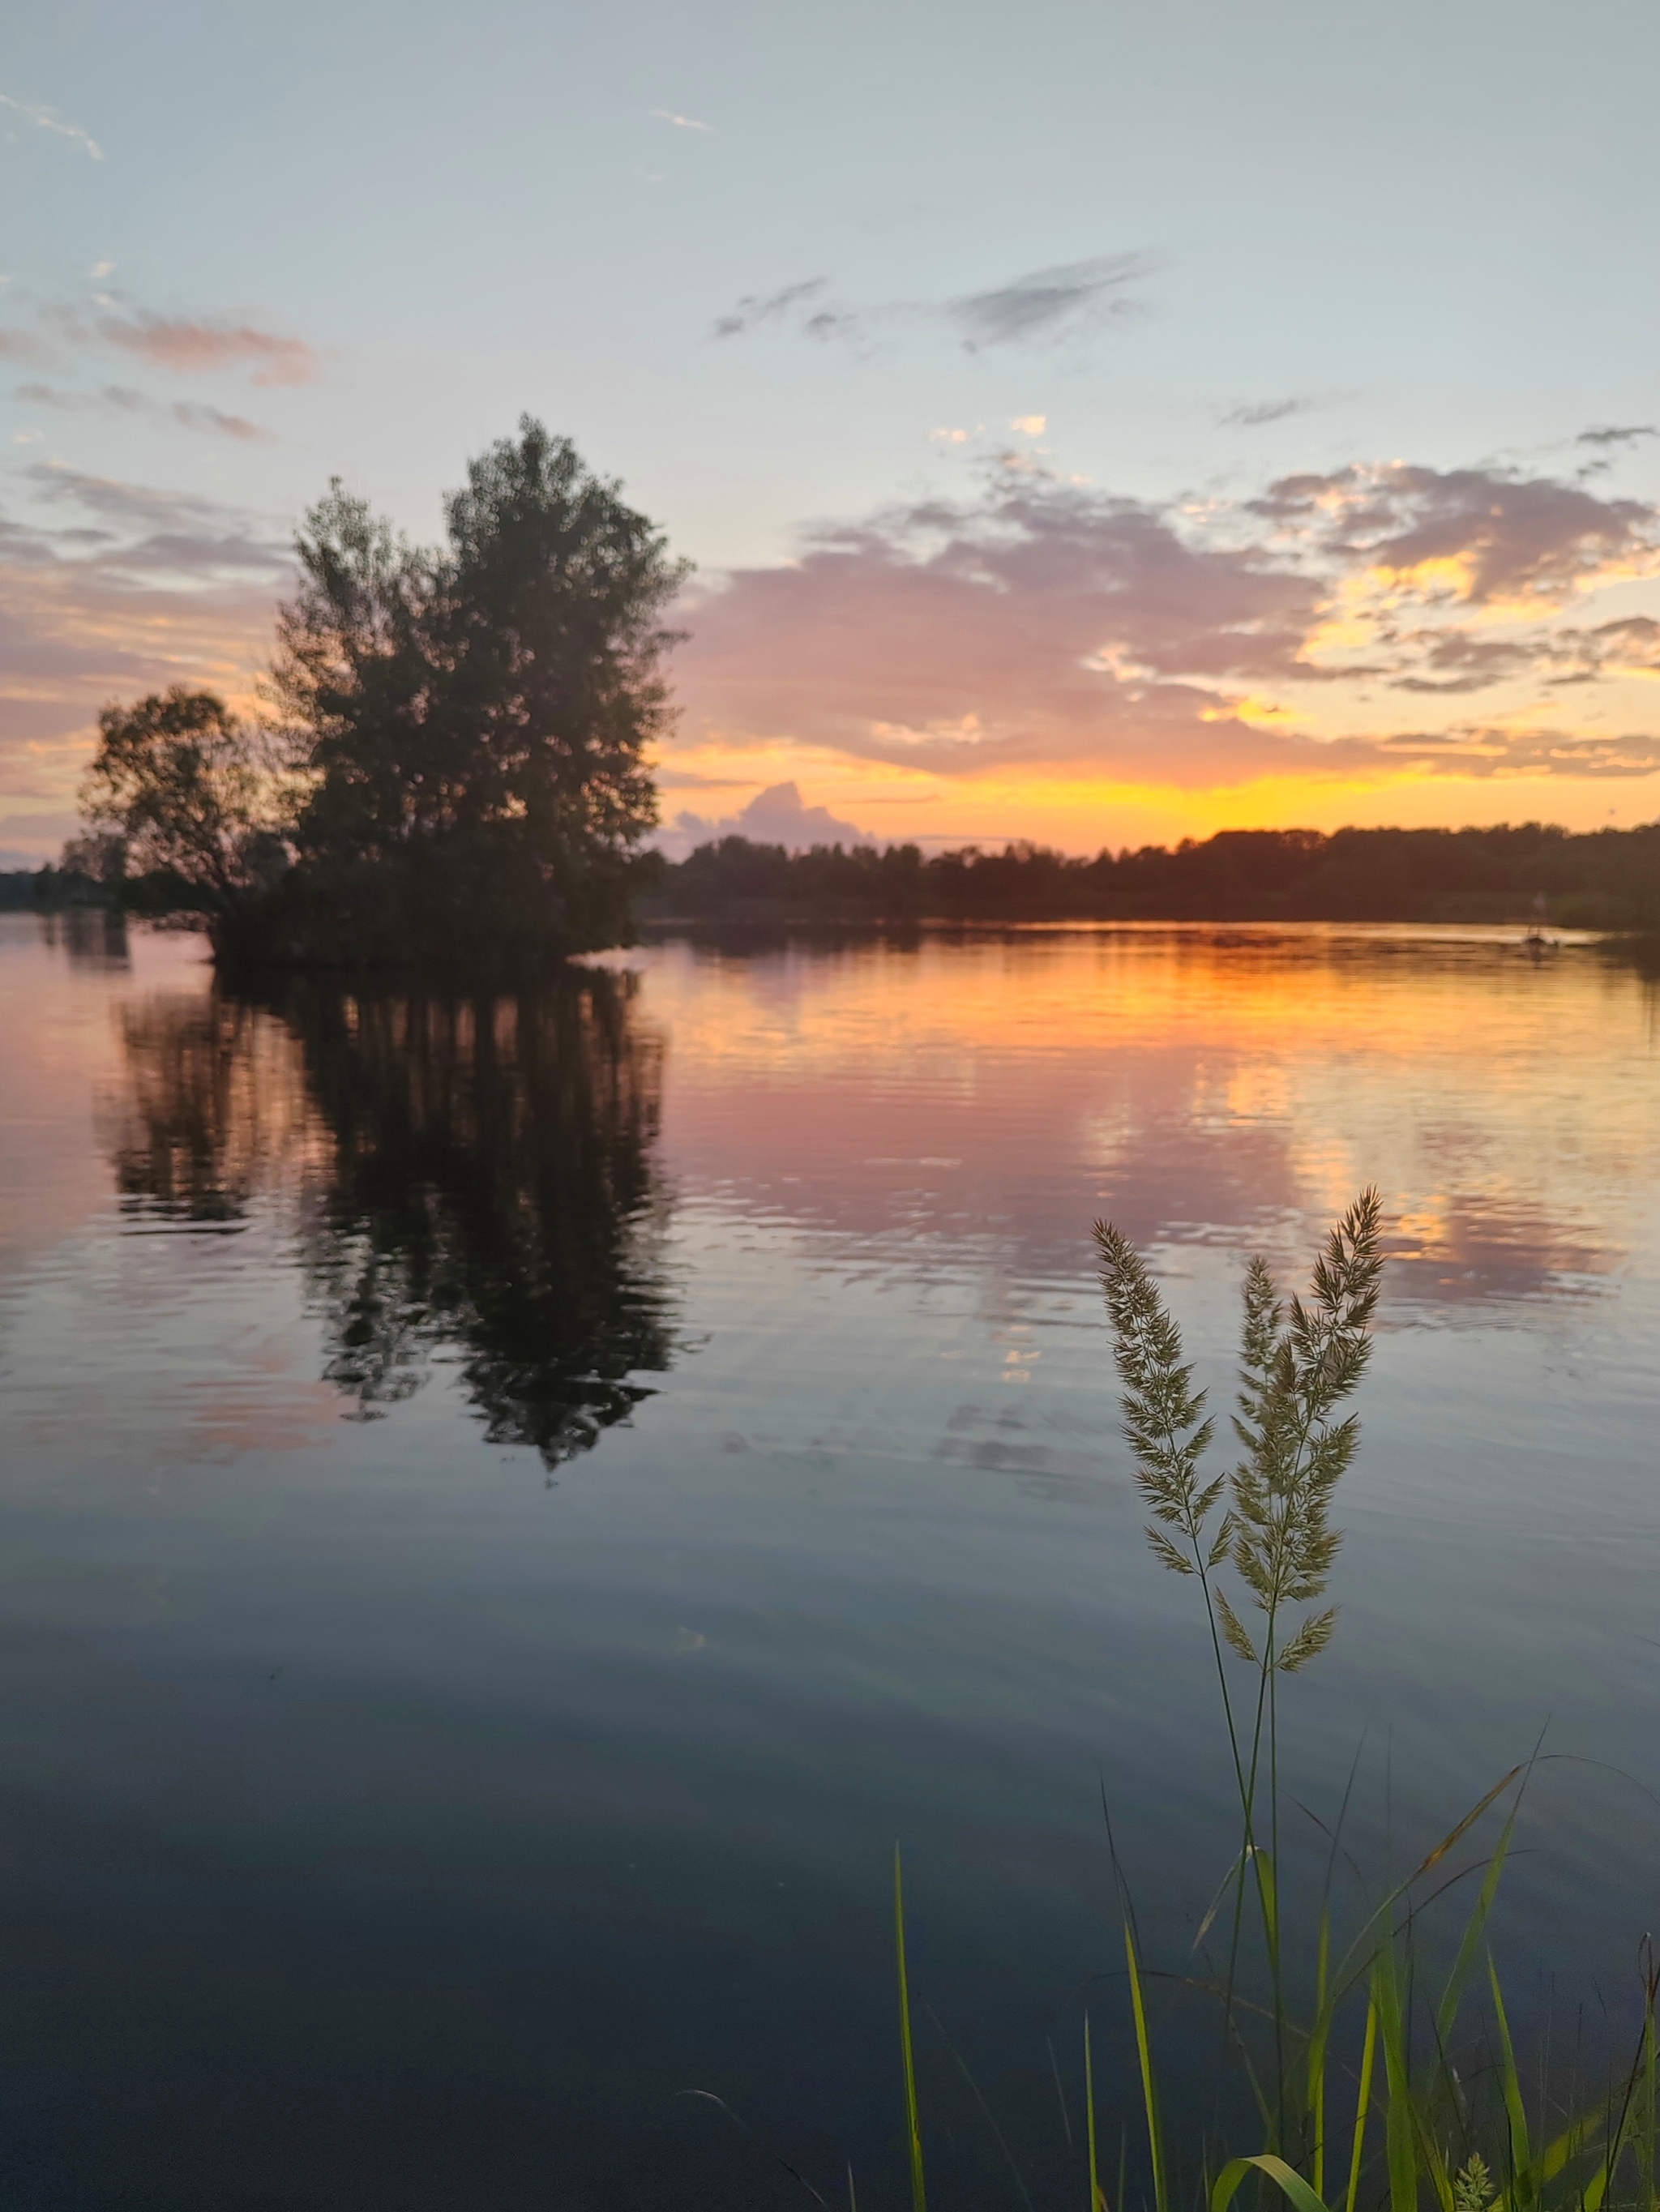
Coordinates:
<point>510,1507</point>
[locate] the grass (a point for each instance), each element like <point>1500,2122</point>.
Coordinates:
<point>1377,2082</point>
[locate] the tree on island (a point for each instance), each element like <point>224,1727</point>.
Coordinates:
<point>457,765</point>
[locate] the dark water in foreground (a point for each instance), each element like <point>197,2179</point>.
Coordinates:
<point>507,1509</point>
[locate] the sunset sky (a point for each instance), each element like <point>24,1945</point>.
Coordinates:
<point>1090,423</point>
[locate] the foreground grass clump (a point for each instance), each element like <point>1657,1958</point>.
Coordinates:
<point>1379,2075</point>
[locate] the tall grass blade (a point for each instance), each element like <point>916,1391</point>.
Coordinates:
<point>1097,2200</point>
<point>1317,2055</point>
<point>1520,2194</point>
<point>1645,2157</point>
<point>1400,2129</point>
<point>1470,1944</point>
<point>919,2194</point>
<point>1362,2105</point>
<point>1149,2082</point>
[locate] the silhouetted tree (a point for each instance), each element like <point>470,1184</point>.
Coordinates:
<point>474,719</point>
<point>459,773</point>
<point>185,810</point>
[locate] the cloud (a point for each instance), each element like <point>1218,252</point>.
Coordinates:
<point>1258,412</point>
<point>777,816</point>
<point>1470,536</point>
<point>23,346</point>
<point>114,589</point>
<point>1051,629</point>
<point>1615,435</point>
<point>193,347</point>
<point>122,399</point>
<point>47,119</point>
<point>1048,304</point>
<point>185,345</point>
<point>1491,752</point>
<point>759,307</point>
<point>680,122</point>
<point>26,840</point>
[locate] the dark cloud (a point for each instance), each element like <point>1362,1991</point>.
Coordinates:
<point>1491,752</point>
<point>165,532</point>
<point>1452,661</point>
<point>1492,536</point>
<point>1613,434</point>
<point>1253,416</point>
<point>122,399</point>
<point>1050,303</point>
<point>759,307</point>
<point>1046,305</point>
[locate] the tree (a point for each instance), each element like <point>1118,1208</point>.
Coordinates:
<point>474,720</point>
<point>458,770</point>
<point>188,808</point>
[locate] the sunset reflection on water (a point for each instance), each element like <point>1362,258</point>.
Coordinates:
<point>512,1500</point>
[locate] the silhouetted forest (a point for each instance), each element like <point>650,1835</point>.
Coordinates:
<point>1601,879</point>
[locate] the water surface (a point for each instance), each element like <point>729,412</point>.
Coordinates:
<point>510,1505</point>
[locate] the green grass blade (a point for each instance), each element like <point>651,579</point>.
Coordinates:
<point>919,2194</point>
<point>1149,2085</point>
<point>1400,2131</point>
<point>1317,2055</point>
<point>1470,1943</point>
<point>1651,2114</point>
<point>1289,2181</point>
<point>1362,2105</point>
<point>1097,2201</point>
<point>1520,2194</point>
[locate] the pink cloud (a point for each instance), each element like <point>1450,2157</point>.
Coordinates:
<point>1051,628</point>
<point>193,347</point>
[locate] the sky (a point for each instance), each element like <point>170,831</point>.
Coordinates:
<point>1092,424</point>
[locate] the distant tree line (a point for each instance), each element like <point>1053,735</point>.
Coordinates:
<point>1604,879</point>
<point>451,763</point>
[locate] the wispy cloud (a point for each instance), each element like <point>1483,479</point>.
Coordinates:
<point>47,118</point>
<point>1613,433</point>
<point>1255,414</point>
<point>1050,302</point>
<point>680,122</point>
<point>122,399</point>
<point>183,344</point>
<point>24,346</point>
<point>758,308</point>
<point>192,347</point>
<point>1045,306</point>
<point>109,588</point>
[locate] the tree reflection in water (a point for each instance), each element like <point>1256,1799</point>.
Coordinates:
<point>474,1177</point>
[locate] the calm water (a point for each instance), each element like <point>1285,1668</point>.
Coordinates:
<point>508,1508</point>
